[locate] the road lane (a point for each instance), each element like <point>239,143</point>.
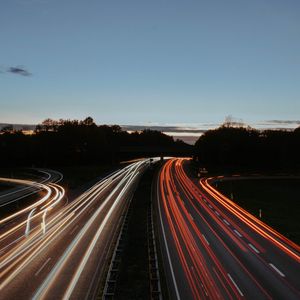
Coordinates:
<point>24,188</point>
<point>213,250</point>
<point>19,224</point>
<point>78,240</point>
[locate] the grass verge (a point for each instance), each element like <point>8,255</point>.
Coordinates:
<point>278,199</point>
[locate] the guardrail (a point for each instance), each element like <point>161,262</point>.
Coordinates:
<point>112,275</point>
<point>155,286</point>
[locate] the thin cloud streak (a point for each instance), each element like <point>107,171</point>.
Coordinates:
<point>287,122</point>
<point>19,71</point>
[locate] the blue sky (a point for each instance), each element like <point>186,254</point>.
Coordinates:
<point>150,61</point>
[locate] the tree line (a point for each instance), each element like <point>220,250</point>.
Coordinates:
<point>246,148</point>
<point>75,142</point>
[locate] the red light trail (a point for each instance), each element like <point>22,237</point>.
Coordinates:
<point>217,250</point>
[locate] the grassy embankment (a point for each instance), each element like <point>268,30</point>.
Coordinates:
<point>278,199</point>
<point>75,176</point>
<point>5,187</point>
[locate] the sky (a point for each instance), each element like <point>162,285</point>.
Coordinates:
<point>150,62</point>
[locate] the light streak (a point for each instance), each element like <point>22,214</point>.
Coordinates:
<point>255,224</point>
<point>191,212</point>
<point>42,267</point>
<point>28,222</point>
<point>129,175</point>
<point>43,224</point>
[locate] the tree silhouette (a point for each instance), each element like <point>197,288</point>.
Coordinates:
<point>69,142</point>
<point>240,147</point>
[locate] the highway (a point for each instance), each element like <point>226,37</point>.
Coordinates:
<point>24,188</point>
<point>65,254</point>
<point>213,249</point>
<point>47,195</point>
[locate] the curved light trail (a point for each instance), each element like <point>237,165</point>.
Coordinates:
<point>214,249</point>
<point>66,243</point>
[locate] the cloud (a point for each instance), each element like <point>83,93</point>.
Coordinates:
<point>19,71</point>
<point>287,122</point>
<point>166,129</point>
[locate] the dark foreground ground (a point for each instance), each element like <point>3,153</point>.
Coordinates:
<point>278,199</point>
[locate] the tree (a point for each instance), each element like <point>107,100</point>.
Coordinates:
<point>7,128</point>
<point>88,122</point>
<point>47,125</point>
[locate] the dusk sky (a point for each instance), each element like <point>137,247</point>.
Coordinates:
<point>149,61</point>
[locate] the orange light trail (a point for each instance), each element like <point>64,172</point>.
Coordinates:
<point>198,218</point>
<point>257,225</point>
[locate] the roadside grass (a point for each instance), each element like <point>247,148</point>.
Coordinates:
<point>5,187</point>
<point>278,199</point>
<point>76,176</point>
<point>19,173</point>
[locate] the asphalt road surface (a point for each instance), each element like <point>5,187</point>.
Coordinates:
<point>24,188</point>
<point>66,251</point>
<point>213,249</point>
